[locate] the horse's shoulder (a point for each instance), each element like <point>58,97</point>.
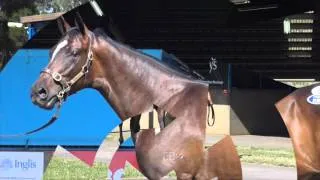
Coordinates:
<point>304,98</point>
<point>305,91</point>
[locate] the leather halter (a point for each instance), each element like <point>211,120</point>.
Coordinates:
<point>63,82</point>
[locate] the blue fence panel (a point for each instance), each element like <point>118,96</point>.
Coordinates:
<point>85,119</point>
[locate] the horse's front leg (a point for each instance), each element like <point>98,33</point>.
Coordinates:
<point>164,118</point>
<point>121,134</point>
<point>161,117</point>
<point>135,126</point>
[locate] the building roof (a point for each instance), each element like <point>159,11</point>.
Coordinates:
<point>248,35</point>
<point>40,18</point>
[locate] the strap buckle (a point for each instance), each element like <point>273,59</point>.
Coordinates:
<point>56,76</point>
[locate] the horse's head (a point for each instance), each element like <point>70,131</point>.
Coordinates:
<point>70,60</point>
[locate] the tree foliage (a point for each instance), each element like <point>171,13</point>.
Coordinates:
<point>13,38</point>
<point>11,6</point>
<point>52,6</point>
<point>11,10</point>
<point>63,5</point>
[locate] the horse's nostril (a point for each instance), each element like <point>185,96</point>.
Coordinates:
<point>42,92</point>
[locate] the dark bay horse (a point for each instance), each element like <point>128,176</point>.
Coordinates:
<point>300,112</point>
<point>164,118</point>
<point>134,83</point>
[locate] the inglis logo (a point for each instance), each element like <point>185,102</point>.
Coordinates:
<point>7,164</point>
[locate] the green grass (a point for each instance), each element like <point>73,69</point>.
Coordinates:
<point>64,168</point>
<point>60,168</point>
<point>277,157</point>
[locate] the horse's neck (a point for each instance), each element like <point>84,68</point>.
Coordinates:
<point>129,83</point>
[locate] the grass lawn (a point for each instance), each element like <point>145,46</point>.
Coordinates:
<point>60,168</point>
<point>277,157</point>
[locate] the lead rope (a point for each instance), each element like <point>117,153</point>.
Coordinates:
<point>52,120</point>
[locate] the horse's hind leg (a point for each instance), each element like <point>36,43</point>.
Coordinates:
<point>161,117</point>
<point>135,126</point>
<point>164,118</point>
<point>120,133</point>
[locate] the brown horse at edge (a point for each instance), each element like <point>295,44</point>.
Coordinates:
<point>301,119</point>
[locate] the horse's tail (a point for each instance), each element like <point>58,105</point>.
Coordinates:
<point>210,106</point>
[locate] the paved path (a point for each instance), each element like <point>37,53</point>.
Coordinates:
<point>256,141</point>
<point>261,172</point>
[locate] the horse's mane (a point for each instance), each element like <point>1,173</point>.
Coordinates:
<point>99,32</point>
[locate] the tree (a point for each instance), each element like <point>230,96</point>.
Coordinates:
<point>64,5</point>
<point>10,6</point>
<point>13,38</point>
<point>52,6</point>
<point>11,10</point>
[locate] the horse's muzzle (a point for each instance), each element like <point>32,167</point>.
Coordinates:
<point>41,98</point>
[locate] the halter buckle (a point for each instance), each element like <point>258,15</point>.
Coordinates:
<point>56,76</point>
<point>60,95</point>
<point>85,69</point>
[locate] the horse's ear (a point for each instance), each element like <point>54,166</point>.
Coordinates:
<point>63,25</point>
<point>80,24</point>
